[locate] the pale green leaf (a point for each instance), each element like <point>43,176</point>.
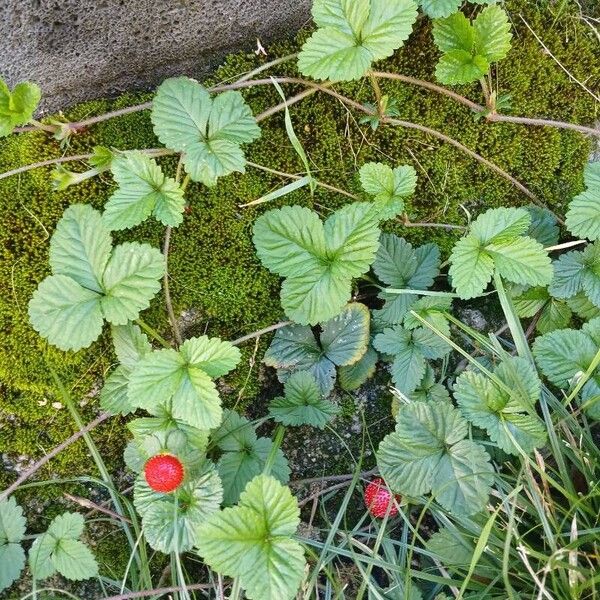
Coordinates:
<point>67,526</point>
<point>17,107</point>
<point>12,561</point>
<point>453,33</point>
<point>235,433</point>
<point>583,216</point>
<point>208,132</point>
<point>65,313</point>
<point>498,225</point>
<point>80,246</point>
<point>522,260</point>
<point>252,541</point>
<point>492,33</point>
<point>12,522</point>
<point>459,66</point>
<point>130,343</point>
<point>352,35</point>
<point>214,356</point>
<point>74,560</point>
<point>143,190</point>
<point>113,395</point>
<point>451,548</point>
<point>471,267</point>
<point>388,186</point>
<point>40,557</point>
<point>131,279</point>
<point>435,9</point>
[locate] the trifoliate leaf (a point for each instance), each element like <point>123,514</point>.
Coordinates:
<point>429,390</point>
<point>207,131</point>
<point>352,35</point>
<point>253,541</point>
<point>353,376</point>
<point>90,283</point>
<point>470,48</point>
<point>319,260</point>
<point>563,354</point>
<point>12,531</point>
<point>182,380</point>
<point>428,453</point>
<point>17,107</point>
<point>302,403</point>
<point>389,187</point>
<point>578,271</point>
<point>143,190</point>
<point>495,241</point>
<point>236,469</point>
<point>502,414</point>
<point>171,521</point>
<point>409,349</point>
<point>343,340</point>
<point>400,266</point>
<point>59,549</point>
<point>583,216</point>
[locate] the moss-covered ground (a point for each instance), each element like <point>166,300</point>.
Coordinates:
<point>213,268</point>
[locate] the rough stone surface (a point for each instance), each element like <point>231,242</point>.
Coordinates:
<point>82,49</point>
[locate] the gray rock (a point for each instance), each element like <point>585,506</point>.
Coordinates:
<point>82,49</point>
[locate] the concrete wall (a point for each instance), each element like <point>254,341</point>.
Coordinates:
<point>81,49</point>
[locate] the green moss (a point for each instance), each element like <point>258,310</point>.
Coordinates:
<point>212,264</point>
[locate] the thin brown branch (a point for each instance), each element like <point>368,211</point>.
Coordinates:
<point>40,463</point>
<point>93,507</point>
<point>260,332</point>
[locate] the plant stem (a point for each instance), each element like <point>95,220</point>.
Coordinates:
<point>514,323</point>
<point>159,592</point>
<point>260,332</point>
<point>236,590</point>
<point>167,290</point>
<point>153,333</point>
<point>378,94</point>
<point>277,439</point>
<point>50,455</point>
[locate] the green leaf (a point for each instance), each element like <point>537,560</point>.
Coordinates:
<point>88,286</point>
<point>543,226</point>
<point>171,521</point>
<point>409,350</point>
<point>452,549</point>
<point>522,260</point>
<point>80,247</point>
<point>130,344</point>
<point>562,354</point>
<point>59,549</point>
<point>302,403</point>
<point>131,279</point>
<point>582,307</point>
<point>353,376</point>
<point>501,414</point>
<point>578,271</point>
<point>236,469</point>
<point>182,380</point>
<point>554,314</point>
<point>428,453</point>
<point>17,107</point>
<point>253,541</point>
<point>343,341</point>
<point>12,531</point>
<point>401,266</point>
<point>492,33</point>
<point>432,309</point>
<point>496,241</point>
<point>143,190</point>
<point>319,260</point>
<point>470,48</point>
<point>352,35</point>
<point>114,393</point>
<point>583,216</point>
<point>235,433</point>
<point>65,313</point>
<point>435,9</point>
<point>207,131</point>
<point>388,186</point>
<point>458,67</point>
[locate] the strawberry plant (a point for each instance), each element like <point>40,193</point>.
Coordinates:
<point>492,438</point>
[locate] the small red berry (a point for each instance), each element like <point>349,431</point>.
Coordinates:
<point>164,473</point>
<point>378,498</point>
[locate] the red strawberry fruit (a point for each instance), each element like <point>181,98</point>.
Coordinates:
<point>164,473</point>
<point>378,499</point>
